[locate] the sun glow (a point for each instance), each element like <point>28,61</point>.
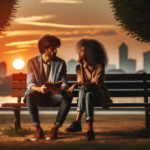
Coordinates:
<point>18,64</point>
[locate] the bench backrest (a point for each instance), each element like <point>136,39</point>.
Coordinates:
<point>119,85</point>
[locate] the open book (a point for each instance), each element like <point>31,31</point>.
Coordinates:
<point>56,84</point>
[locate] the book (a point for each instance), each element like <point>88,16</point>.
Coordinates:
<point>56,84</point>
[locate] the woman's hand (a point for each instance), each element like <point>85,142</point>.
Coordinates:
<point>80,61</point>
<point>70,90</point>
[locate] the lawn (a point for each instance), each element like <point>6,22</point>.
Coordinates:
<point>115,132</point>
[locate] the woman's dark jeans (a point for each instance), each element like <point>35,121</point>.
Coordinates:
<point>34,98</point>
<point>88,97</point>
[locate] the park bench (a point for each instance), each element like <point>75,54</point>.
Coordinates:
<point>119,85</point>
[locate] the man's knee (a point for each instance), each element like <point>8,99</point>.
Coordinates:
<point>31,95</point>
<point>67,97</point>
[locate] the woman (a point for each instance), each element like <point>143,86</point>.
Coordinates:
<point>90,76</point>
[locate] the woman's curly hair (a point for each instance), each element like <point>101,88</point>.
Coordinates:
<point>94,50</point>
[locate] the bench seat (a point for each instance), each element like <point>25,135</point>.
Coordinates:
<point>75,105</point>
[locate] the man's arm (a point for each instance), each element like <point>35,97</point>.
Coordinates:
<point>30,76</point>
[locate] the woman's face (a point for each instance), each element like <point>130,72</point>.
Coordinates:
<point>82,53</point>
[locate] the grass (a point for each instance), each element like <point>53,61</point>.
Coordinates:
<point>118,132</point>
<point>75,145</point>
<point>136,133</point>
<point>10,131</point>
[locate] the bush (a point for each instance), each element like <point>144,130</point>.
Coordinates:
<point>133,17</point>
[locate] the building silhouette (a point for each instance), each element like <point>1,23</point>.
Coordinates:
<point>127,65</point>
<point>110,67</point>
<point>146,58</point>
<point>72,67</point>
<point>3,67</point>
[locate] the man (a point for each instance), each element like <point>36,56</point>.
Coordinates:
<point>47,67</point>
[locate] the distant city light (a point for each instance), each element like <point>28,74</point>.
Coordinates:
<point>18,64</point>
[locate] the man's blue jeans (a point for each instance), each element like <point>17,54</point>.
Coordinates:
<point>34,98</point>
<point>88,97</point>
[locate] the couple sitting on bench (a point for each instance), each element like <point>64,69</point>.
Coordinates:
<point>49,67</point>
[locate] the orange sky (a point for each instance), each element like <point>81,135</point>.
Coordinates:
<point>69,20</point>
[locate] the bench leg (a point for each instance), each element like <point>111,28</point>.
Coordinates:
<point>147,118</point>
<point>17,118</point>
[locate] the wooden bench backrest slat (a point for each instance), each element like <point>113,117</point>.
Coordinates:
<point>18,93</point>
<point>108,77</point>
<point>134,93</point>
<point>19,85</point>
<point>19,77</point>
<point>112,87</point>
<point>124,77</point>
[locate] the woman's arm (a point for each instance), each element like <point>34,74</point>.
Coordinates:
<point>82,75</point>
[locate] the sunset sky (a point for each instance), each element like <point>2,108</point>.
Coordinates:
<point>69,20</point>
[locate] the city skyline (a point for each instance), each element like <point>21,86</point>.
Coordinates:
<point>125,66</point>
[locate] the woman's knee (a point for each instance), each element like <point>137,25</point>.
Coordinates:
<point>89,96</point>
<point>84,88</point>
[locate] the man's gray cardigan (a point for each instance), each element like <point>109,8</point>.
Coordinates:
<point>35,68</point>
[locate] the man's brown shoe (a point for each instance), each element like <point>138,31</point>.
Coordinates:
<point>53,134</point>
<point>39,134</point>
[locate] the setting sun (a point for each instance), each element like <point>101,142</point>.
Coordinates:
<point>18,64</point>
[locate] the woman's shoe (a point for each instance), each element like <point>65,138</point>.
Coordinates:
<point>74,127</point>
<point>90,135</point>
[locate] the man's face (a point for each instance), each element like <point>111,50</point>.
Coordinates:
<point>51,52</point>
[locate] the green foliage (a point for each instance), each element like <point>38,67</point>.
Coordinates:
<point>10,131</point>
<point>133,17</point>
<point>8,9</point>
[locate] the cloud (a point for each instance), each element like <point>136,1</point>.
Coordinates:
<point>61,1</point>
<point>63,35</point>
<point>33,18</point>
<point>1,37</point>
<point>67,26</point>
<point>102,32</point>
<point>15,51</point>
<point>22,43</point>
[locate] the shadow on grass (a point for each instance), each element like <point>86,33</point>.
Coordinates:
<point>135,133</point>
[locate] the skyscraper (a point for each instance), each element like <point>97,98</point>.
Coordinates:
<point>3,67</point>
<point>127,65</point>
<point>146,56</point>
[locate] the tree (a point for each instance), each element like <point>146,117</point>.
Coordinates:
<point>133,17</point>
<point>8,9</point>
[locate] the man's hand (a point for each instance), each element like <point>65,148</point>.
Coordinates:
<point>44,89</point>
<point>70,90</point>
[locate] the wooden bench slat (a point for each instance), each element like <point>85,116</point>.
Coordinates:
<point>128,85</point>
<point>75,105</point>
<point>124,77</point>
<point>18,93</point>
<point>19,85</point>
<point>120,93</point>
<point>20,76</point>
<point>24,105</point>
